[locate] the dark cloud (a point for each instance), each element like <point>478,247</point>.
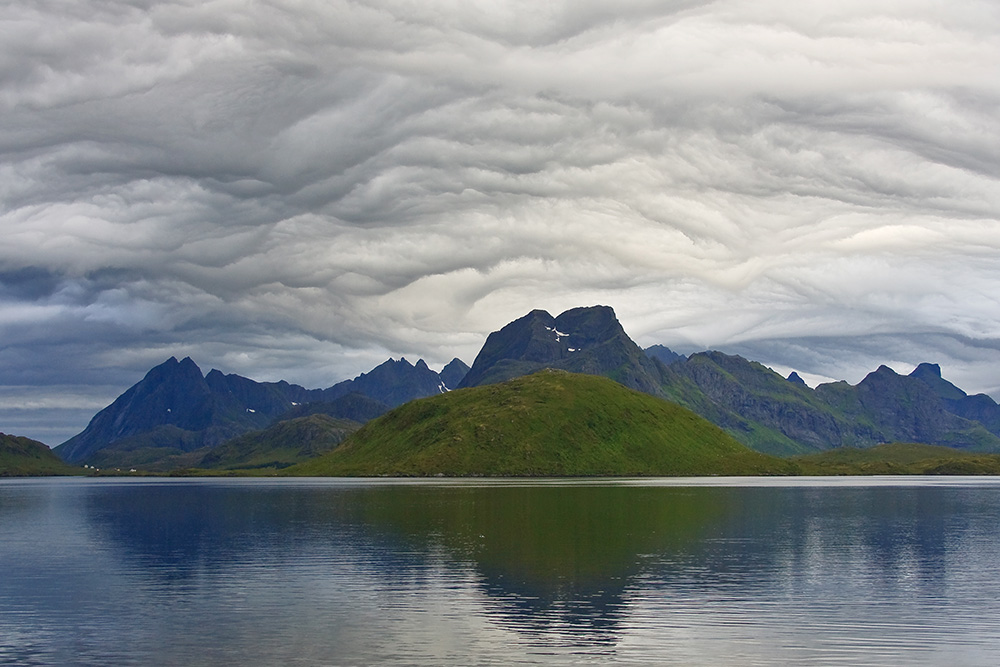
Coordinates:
<point>298,190</point>
<point>27,284</point>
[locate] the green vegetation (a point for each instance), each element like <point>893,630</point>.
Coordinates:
<point>899,459</point>
<point>752,403</point>
<point>552,423</point>
<point>24,457</point>
<point>284,444</point>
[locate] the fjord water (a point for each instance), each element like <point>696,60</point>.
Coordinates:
<point>257,572</point>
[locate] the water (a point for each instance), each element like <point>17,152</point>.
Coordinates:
<point>879,571</point>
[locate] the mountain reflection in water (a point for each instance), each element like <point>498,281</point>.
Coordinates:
<point>298,571</point>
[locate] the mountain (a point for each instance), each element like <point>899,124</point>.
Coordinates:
<point>175,410</point>
<point>174,415</point>
<point>354,407</point>
<point>24,457</point>
<point>899,408</point>
<point>664,354</point>
<point>393,383</point>
<point>551,423</point>
<point>453,373</point>
<point>582,340</point>
<point>757,406</point>
<point>765,411</point>
<point>978,407</point>
<point>754,404</point>
<point>281,445</point>
<point>795,378</point>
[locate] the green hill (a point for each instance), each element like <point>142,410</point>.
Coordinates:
<point>281,445</point>
<point>899,459</point>
<point>24,457</point>
<point>552,423</point>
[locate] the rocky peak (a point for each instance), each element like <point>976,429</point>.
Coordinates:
<point>583,340</point>
<point>927,370</point>
<point>453,374</point>
<point>794,378</point>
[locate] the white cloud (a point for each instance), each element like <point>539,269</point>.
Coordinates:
<point>318,185</point>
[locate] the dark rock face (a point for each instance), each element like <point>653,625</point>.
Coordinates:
<point>354,406</point>
<point>773,415</point>
<point>392,383</point>
<point>581,340</point>
<point>453,374</point>
<point>930,374</point>
<point>794,378</point>
<point>907,409</point>
<point>760,407</point>
<point>979,407</point>
<point>526,344</point>
<point>664,354</point>
<point>175,408</point>
<point>171,394</point>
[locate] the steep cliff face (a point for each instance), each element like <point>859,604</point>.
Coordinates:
<point>392,382</point>
<point>979,407</point>
<point>908,409</point>
<point>582,340</point>
<point>171,397</point>
<point>760,407</point>
<point>771,414</point>
<point>453,373</point>
<point>175,409</point>
<point>663,354</point>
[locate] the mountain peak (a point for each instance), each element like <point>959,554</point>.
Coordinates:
<point>391,382</point>
<point>663,353</point>
<point>172,394</point>
<point>171,369</point>
<point>583,340</point>
<point>883,371</point>
<point>795,378</point>
<point>927,370</point>
<point>930,374</point>
<point>453,374</point>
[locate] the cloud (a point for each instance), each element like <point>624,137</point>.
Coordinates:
<point>299,189</point>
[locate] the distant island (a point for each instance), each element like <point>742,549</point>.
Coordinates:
<point>23,457</point>
<point>570,395</point>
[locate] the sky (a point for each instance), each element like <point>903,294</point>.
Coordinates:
<point>300,189</point>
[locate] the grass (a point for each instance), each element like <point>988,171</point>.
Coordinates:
<point>281,445</point>
<point>551,423</point>
<point>23,457</point>
<point>899,459</point>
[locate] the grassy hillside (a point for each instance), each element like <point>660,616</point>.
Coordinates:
<point>285,443</point>
<point>550,423</point>
<point>24,457</point>
<point>899,459</point>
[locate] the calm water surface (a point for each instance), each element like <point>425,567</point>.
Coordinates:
<point>881,571</point>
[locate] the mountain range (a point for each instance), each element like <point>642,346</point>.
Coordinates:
<point>548,423</point>
<point>178,415</point>
<point>175,409</point>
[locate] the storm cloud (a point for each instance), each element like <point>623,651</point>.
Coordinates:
<point>297,189</point>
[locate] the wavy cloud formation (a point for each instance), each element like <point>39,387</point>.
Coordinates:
<point>299,189</point>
